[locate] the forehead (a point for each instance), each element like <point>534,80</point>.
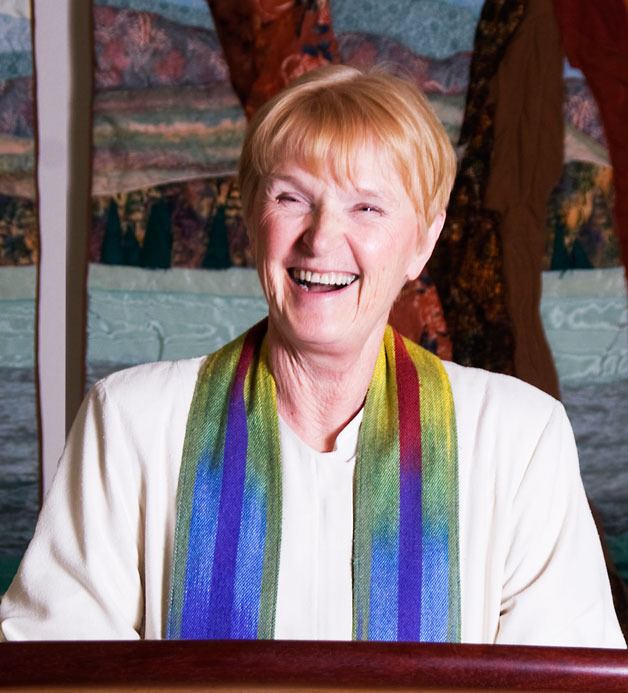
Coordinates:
<point>364,168</point>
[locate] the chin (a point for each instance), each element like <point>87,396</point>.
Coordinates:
<point>314,333</point>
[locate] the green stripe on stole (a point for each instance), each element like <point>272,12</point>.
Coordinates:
<point>213,383</point>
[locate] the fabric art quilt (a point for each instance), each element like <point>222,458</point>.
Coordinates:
<point>528,277</point>
<point>19,251</point>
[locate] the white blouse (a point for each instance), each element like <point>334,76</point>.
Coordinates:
<point>531,566</point>
<point>314,592</point>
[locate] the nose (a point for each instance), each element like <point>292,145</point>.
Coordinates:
<point>324,231</point>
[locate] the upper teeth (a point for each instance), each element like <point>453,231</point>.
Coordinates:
<point>339,278</point>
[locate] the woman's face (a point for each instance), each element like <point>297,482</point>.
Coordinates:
<point>332,256</point>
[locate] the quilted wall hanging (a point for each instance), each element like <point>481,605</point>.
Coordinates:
<point>19,467</point>
<point>175,82</point>
<point>170,273</point>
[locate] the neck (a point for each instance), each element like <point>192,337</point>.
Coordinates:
<point>318,391</point>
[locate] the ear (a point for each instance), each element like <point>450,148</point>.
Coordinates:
<point>426,242</point>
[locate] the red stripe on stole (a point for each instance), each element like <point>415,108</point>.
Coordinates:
<point>409,411</point>
<point>252,341</point>
<point>410,496</point>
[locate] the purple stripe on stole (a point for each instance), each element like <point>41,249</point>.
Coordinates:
<point>230,508</point>
<point>410,512</point>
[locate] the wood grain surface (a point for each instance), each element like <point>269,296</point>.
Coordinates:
<point>306,666</point>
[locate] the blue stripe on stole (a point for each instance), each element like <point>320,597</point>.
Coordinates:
<point>384,585</point>
<point>247,596</point>
<point>411,554</point>
<point>201,543</point>
<point>435,583</point>
<point>229,515</point>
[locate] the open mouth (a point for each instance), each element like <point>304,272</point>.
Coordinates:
<point>321,282</point>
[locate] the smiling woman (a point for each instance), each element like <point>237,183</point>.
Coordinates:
<point>322,477</point>
<point>341,176</point>
<point>335,256</point>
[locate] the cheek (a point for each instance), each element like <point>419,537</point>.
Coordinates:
<point>379,286</point>
<point>385,257</point>
<point>270,253</point>
<point>386,253</point>
<point>264,243</point>
<point>272,237</point>
<point>270,278</point>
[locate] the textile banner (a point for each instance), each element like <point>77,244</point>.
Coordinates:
<point>19,243</point>
<point>168,85</point>
<point>174,83</point>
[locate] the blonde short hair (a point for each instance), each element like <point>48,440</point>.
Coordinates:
<point>322,119</point>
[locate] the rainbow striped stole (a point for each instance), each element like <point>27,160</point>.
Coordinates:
<point>228,529</point>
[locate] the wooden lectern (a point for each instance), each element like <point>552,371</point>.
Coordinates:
<point>306,666</point>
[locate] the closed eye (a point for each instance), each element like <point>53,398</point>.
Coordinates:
<point>369,209</point>
<point>287,198</point>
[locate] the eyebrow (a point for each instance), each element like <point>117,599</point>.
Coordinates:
<point>283,177</point>
<point>293,180</point>
<point>367,192</point>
